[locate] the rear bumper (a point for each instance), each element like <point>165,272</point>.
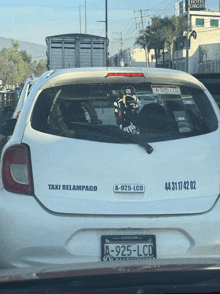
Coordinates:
<point>31,235</point>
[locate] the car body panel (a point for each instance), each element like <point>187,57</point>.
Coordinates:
<point>65,239</point>
<point>104,165</point>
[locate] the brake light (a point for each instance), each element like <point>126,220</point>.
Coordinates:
<point>126,74</point>
<point>16,170</point>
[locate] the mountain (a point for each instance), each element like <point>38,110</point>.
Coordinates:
<point>37,52</point>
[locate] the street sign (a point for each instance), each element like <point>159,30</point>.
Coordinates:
<point>195,4</point>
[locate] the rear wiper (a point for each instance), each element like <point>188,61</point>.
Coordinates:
<point>132,139</point>
<point>109,130</point>
<point>141,142</point>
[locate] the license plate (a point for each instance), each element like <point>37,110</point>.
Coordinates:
<point>134,188</point>
<point>172,90</point>
<point>128,247</point>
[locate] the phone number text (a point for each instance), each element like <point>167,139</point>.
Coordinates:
<point>182,185</point>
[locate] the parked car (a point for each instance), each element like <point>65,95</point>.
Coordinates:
<point>88,175</point>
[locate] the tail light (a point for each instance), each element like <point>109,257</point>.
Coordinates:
<point>16,170</point>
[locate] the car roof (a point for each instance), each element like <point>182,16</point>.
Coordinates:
<point>99,74</point>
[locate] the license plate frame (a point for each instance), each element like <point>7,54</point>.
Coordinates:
<point>138,244</point>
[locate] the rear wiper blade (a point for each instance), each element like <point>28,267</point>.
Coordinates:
<point>141,142</point>
<point>109,130</point>
<point>132,139</point>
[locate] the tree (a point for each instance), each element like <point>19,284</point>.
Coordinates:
<point>6,67</point>
<point>25,56</point>
<point>40,68</point>
<point>163,31</point>
<point>154,37</point>
<point>158,37</point>
<point>144,43</point>
<point>173,31</point>
<point>14,57</point>
<point>16,66</point>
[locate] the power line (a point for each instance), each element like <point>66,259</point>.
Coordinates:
<point>132,18</point>
<point>17,5</point>
<point>164,8</point>
<point>125,39</point>
<point>129,29</point>
<point>56,6</point>
<point>161,3</point>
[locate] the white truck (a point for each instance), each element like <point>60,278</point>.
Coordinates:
<point>76,50</point>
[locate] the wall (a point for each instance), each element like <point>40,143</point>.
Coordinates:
<point>134,57</point>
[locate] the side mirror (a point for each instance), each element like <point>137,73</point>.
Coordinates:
<point>8,126</point>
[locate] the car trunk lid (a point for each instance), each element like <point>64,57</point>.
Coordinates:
<point>78,176</point>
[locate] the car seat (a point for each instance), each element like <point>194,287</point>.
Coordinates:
<point>154,118</point>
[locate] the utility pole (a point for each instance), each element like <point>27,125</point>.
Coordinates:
<point>122,63</point>
<point>145,47</point>
<point>106,19</point>
<point>188,37</point>
<point>121,41</point>
<point>106,29</point>
<point>80,18</point>
<point>121,48</point>
<point>85,19</point>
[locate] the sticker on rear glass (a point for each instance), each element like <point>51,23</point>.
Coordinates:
<point>182,121</point>
<point>188,100</point>
<point>162,90</point>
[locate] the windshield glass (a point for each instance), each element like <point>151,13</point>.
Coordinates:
<point>105,113</point>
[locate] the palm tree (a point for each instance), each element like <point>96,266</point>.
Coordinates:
<point>154,37</point>
<point>158,37</point>
<point>144,42</point>
<point>161,32</point>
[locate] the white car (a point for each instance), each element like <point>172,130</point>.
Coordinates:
<point>87,176</point>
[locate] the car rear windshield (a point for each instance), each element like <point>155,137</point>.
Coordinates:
<point>116,113</point>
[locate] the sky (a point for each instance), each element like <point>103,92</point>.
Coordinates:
<point>34,22</point>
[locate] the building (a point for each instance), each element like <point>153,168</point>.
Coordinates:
<point>179,9</point>
<point>204,49</point>
<point>132,57</point>
<point>204,45</point>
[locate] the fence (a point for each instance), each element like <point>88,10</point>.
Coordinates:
<point>208,67</point>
